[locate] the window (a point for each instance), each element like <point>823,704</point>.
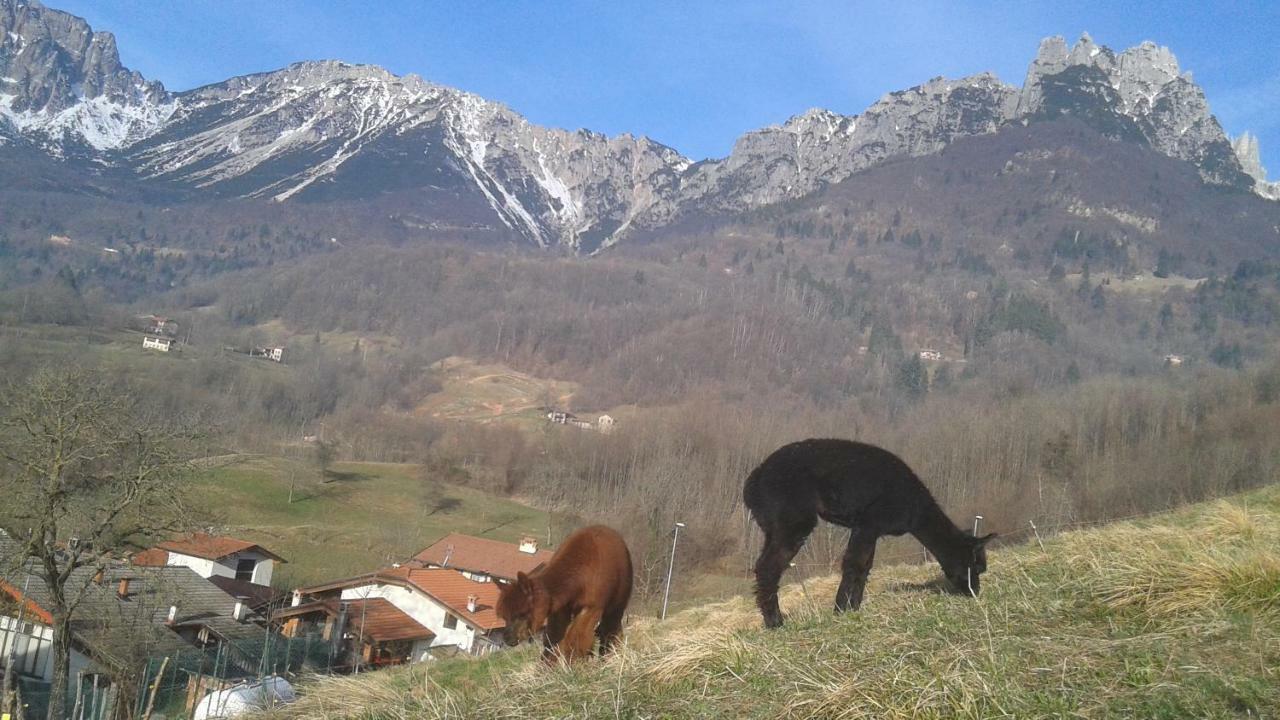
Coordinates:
<point>450,621</point>
<point>244,569</point>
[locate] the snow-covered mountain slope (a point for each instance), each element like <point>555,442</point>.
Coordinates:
<point>330,131</point>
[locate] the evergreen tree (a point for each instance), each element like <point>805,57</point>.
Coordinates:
<point>1098,300</point>
<point>913,378</point>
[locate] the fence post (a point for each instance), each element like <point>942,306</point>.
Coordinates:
<point>78,707</point>
<point>1037,534</point>
<point>155,689</point>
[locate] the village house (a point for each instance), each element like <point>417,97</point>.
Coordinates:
<point>155,342</point>
<point>561,417</point>
<point>929,354</point>
<point>162,326</point>
<point>240,568</point>
<point>214,556</point>
<point>483,559</point>
<point>274,354</point>
<point>129,617</point>
<point>604,423</point>
<point>397,615</point>
<point>1173,360</point>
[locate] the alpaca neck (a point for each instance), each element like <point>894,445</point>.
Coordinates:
<point>936,532</point>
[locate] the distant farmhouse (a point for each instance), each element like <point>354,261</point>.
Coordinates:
<point>604,423</point>
<point>930,354</point>
<point>274,354</point>
<point>153,342</point>
<point>159,333</point>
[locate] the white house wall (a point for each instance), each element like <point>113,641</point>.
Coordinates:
<point>262,573</point>
<point>202,567</point>
<point>429,613</point>
<point>34,649</point>
<point>27,645</point>
<point>227,568</point>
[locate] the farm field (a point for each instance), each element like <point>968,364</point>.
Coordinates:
<point>1177,615</point>
<point>365,516</point>
<point>487,392</point>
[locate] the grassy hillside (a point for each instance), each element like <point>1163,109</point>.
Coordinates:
<point>484,393</point>
<point>366,515</point>
<point>1173,616</point>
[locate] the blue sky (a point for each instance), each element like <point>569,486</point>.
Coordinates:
<point>693,75</point>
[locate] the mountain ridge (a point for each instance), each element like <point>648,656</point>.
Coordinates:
<point>326,129</point>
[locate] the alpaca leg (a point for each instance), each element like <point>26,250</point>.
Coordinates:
<point>609,630</point>
<point>581,635</point>
<point>774,559</point>
<point>856,566</point>
<point>557,624</point>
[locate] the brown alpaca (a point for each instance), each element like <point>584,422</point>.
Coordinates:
<point>579,595</point>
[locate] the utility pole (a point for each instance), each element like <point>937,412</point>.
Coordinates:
<point>666,594</point>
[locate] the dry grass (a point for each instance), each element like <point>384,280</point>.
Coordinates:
<point>485,393</point>
<point>1171,617</point>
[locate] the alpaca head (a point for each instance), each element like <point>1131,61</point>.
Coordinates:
<point>523,605</point>
<point>965,563</point>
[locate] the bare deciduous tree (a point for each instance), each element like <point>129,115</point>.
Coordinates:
<point>84,471</point>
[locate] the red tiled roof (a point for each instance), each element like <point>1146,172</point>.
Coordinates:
<point>451,588</point>
<point>31,607</point>
<point>379,620</point>
<point>492,557</point>
<point>213,547</point>
<point>151,557</point>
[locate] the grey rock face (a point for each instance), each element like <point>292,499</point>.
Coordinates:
<point>64,84</point>
<point>318,131</point>
<point>1246,149</point>
<point>822,147</point>
<point>1139,93</point>
<point>284,134</point>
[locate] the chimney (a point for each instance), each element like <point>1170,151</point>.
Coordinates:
<point>123,590</point>
<point>240,611</point>
<point>297,598</point>
<point>99,577</point>
<point>529,544</point>
<point>472,603</point>
<point>173,615</point>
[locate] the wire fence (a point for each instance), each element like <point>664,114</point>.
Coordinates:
<point>175,684</point>
<point>172,686</point>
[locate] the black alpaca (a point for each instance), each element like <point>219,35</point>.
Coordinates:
<point>862,487</point>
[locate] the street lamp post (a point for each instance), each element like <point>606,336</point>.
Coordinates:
<point>666,594</point>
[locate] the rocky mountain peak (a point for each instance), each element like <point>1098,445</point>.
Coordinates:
<point>1247,151</point>
<point>62,82</point>
<point>331,130</point>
